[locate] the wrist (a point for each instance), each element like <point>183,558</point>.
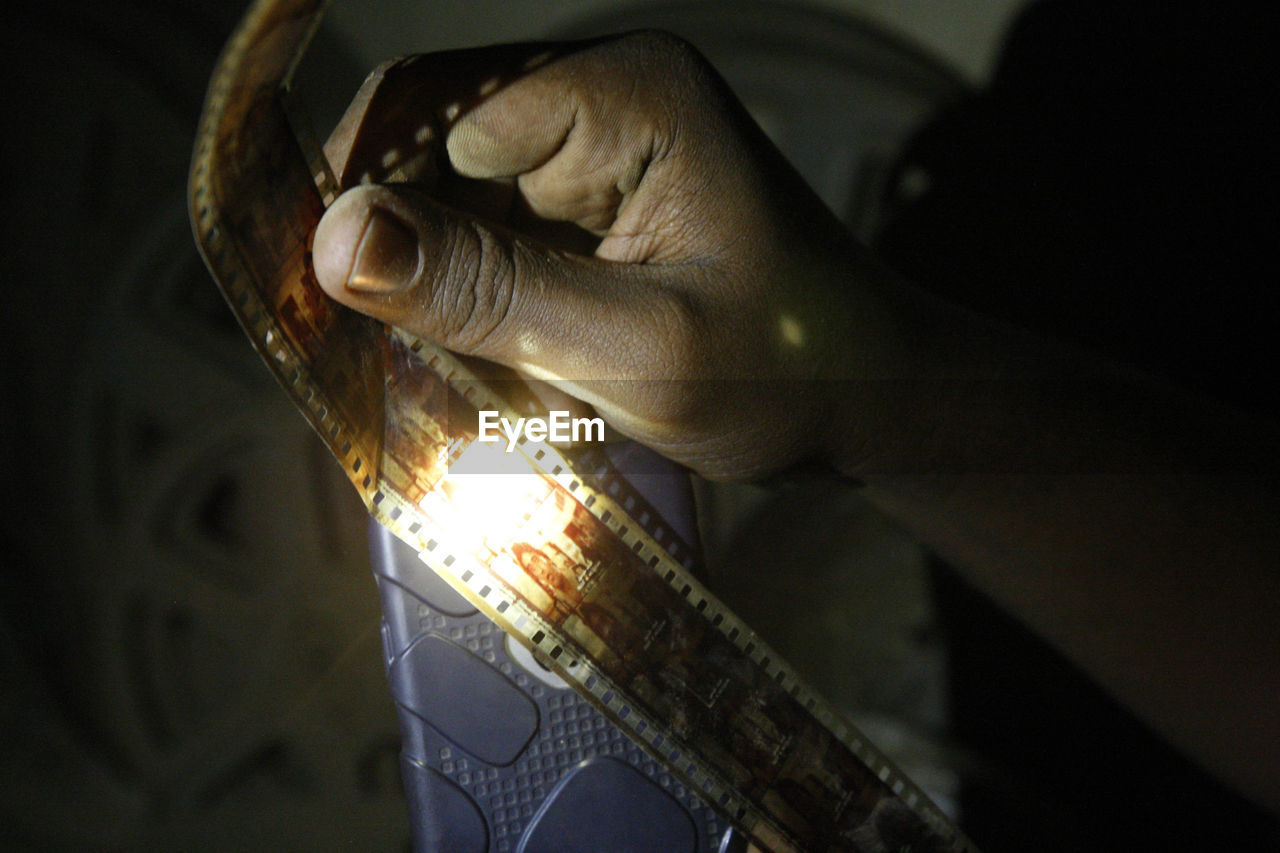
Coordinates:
<point>912,362</point>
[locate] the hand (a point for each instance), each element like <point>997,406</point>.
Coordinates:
<point>605,216</point>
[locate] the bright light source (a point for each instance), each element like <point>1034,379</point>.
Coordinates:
<point>485,499</point>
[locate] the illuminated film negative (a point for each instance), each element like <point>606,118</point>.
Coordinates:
<point>555,548</point>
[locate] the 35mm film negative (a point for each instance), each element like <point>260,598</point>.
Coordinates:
<point>559,551</point>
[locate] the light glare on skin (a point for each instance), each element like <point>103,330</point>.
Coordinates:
<point>529,345</point>
<point>535,61</point>
<point>791,330</point>
<point>535,371</point>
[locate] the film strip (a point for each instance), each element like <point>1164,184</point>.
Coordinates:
<point>556,549</point>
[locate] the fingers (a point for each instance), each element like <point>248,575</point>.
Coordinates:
<point>406,107</point>
<point>586,114</point>
<point>578,126</point>
<point>589,135</point>
<point>472,288</point>
<point>633,139</point>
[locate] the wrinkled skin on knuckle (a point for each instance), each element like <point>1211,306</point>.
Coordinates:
<point>695,187</point>
<point>622,124</point>
<point>669,56</point>
<point>688,93</point>
<point>658,84</point>
<point>473,288</point>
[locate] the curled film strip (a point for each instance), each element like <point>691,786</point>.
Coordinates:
<point>560,552</point>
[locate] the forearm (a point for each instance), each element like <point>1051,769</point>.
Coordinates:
<point>1130,524</point>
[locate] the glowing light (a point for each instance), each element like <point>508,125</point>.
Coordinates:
<point>486,499</point>
<point>791,330</point>
<point>528,343</point>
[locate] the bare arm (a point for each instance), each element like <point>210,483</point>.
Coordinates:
<point>1131,524</point>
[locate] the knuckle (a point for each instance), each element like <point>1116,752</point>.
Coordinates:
<point>660,44</point>
<point>668,56</point>
<point>677,85</point>
<point>476,278</point>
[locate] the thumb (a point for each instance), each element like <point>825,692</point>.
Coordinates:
<point>478,290</point>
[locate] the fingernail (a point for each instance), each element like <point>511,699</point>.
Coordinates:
<point>387,258</point>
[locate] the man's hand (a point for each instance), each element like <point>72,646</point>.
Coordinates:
<point>605,216</point>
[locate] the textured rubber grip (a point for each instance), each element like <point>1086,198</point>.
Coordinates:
<point>499,754</point>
